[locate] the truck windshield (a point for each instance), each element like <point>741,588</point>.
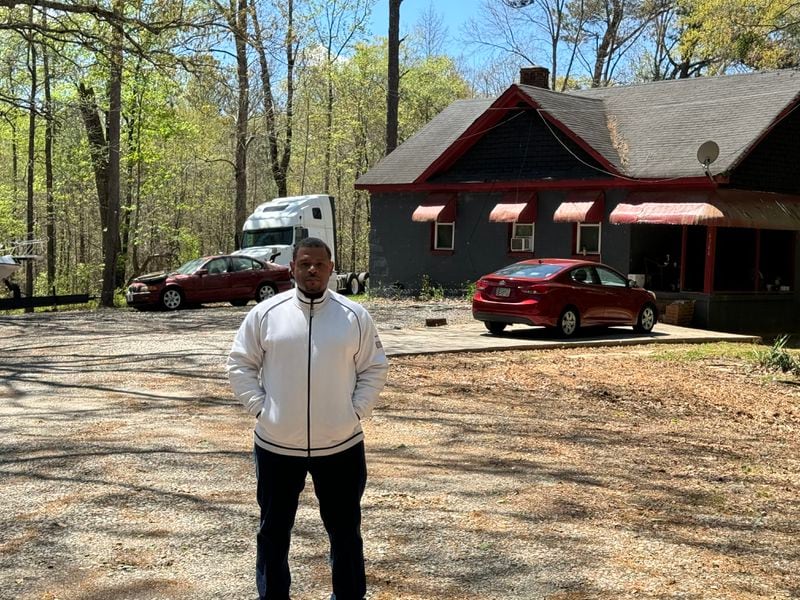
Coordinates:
<point>278,236</point>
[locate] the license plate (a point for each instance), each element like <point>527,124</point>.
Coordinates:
<point>502,292</point>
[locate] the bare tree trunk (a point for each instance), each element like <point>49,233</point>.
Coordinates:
<point>291,57</point>
<point>239,27</point>
<point>14,149</point>
<point>328,125</point>
<point>278,164</point>
<point>393,76</point>
<point>48,169</point>
<point>32,69</point>
<point>14,159</point>
<point>97,147</point>
<point>111,240</point>
<point>133,126</point>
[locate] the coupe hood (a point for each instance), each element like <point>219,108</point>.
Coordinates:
<point>155,277</point>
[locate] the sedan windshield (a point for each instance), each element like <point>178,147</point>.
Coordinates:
<point>278,236</point>
<point>537,271</point>
<point>189,267</point>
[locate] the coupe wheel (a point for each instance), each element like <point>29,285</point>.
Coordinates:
<point>568,322</point>
<point>172,299</point>
<point>265,290</point>
<point>647,319</point>
<point>494,327</point>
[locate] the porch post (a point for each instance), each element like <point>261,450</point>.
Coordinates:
<point>684,242</point>
<point>711,250</point>
<point>757,268</point>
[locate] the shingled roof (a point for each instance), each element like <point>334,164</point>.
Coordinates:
<point>646,131</point>
<point>412,157</point>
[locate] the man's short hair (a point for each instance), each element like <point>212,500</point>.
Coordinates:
<point>311,242</point>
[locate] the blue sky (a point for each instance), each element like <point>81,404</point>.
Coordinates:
<point>453,12</point>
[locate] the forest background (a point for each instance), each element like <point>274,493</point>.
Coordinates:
<point>136,134</point>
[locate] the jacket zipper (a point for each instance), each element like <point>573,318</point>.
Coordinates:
<point>308,386</point>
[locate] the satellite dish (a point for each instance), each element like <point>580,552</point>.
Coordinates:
<point>707,153</point>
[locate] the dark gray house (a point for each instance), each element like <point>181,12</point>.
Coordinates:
<point>623,175</point>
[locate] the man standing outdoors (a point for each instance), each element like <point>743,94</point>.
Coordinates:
<point>309,366</point>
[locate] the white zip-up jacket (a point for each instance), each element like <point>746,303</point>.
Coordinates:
<point>309,370</point>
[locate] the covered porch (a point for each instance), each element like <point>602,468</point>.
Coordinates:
<point>731,253</point>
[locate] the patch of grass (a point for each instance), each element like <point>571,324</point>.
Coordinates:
<point>714,350</point>
<point>778,358</point>
<point>775,357</point>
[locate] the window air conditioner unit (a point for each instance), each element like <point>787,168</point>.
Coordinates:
<point>520,243</point>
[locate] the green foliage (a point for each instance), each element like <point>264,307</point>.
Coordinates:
<point>777,358</point>
<point>429,290</point>
<point>699,352</point>
<point>774,358</point>
<point>758,34</point>
<point>84,278</point>
<point>470,287</point>
<point>189,245</point>
<point>11,225</point>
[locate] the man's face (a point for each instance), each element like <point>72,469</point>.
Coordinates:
<point>311,269</point>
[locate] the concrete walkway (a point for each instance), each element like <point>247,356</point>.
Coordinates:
<point>473,337</point>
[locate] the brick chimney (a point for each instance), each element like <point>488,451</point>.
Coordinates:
<point>535,76</point>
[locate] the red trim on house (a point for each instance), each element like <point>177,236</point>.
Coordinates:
<point>711,251</point>
<point>723,207</point>
<point>757,274</point>
<point>508,100</point>
<point>757,142</point>
<point>693,183</point>
<point>581,207</point>
<point>579,141</point>
<point>515,207</point>
<point>493,115</point>
<point>436,208</point>
<point>684,246</point>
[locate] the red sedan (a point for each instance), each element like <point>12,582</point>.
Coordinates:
<point>229,278</point>
<point>562,294</point>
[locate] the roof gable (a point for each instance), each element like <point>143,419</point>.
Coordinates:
<point>409,160</point>
<point>646,132</point>
<point>522,146</point>
<point>661,125</point>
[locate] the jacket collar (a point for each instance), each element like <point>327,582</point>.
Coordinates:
<point>305,301</point>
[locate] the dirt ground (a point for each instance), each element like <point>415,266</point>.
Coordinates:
<point>614,473</point>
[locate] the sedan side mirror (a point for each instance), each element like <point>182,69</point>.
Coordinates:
<point>632,283</point>
<point>201,272</point>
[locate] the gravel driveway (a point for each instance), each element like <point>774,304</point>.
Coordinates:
<point>126,470</point>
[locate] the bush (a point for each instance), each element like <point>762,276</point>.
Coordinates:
<point>429,290</point>
<point>777,358</point>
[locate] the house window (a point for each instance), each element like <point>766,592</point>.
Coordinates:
<point>588,238</point>
<point>522,237</point>
<point>443,236</point>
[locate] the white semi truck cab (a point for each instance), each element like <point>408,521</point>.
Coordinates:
<point>273,229</point>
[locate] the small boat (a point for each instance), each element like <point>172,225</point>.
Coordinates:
<point>14,255</point>
<point>8,266</point>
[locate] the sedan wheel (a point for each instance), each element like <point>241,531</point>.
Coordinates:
<point>495,327</point>
<point>265,290</point>
<point>171,299</point>
<point>646,320</point>
<point>568,322</point>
